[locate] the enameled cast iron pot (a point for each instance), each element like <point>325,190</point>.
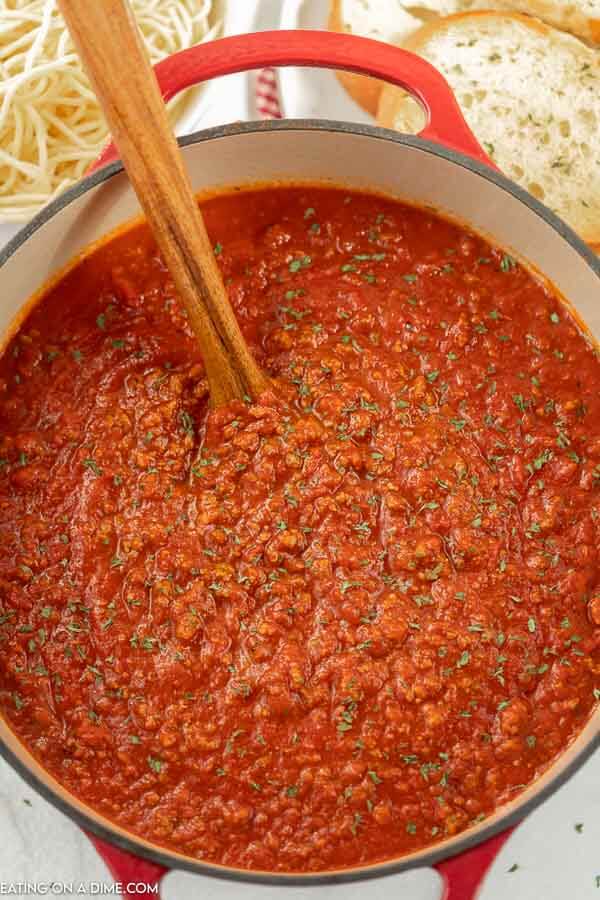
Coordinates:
<point>443,168</point>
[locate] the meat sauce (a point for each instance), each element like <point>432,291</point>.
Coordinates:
<point>338,624</point>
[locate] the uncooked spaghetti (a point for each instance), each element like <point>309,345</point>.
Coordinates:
<point>51,127</point>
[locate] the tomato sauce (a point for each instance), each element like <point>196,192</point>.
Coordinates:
<point>336,625</point>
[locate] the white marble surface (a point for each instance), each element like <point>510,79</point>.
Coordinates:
<point>557,849</point>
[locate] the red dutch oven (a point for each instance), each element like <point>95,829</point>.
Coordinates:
<point>443,168</point>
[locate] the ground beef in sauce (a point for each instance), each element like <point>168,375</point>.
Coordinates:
<point>319,630</point>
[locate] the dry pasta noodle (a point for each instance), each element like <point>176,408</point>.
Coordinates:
<point>51,127</point>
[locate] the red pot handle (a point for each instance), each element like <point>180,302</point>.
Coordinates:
<point>462,875</point>
<point>129,870</point>
<point>329,50</point>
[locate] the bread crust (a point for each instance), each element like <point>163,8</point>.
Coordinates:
<point>568,19</point>
<point>364,90</point>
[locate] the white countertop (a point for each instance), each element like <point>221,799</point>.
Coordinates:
<point>557,850</point>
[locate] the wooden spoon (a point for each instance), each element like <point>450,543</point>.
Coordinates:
<point>110,46</point>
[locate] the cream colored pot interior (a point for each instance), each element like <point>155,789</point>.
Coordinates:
<point>338,157</point>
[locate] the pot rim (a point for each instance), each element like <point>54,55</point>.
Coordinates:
<point>438,852</point>
<point>327,125</point>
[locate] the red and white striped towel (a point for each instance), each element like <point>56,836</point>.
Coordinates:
<point>267,95</point>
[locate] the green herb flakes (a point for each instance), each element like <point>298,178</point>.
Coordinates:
<point>157,765</point>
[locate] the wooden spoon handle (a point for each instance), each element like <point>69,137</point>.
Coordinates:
<point>113,54</point>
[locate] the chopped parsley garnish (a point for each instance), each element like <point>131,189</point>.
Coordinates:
<point>507,263</point>
<point>155,764</point>
<point>297,264</point>
<point>187,423</point>
<point>93,466</point>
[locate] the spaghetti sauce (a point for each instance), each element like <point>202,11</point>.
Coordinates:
<point>338,624</point>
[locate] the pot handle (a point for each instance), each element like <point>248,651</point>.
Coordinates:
<point>136,876</point>
<point>329,50</point>
<point>462,875</point>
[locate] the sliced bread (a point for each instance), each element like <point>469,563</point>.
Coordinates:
<point>395,21</point>
<point>379,19</point>
<point>531,95</point>
<point>580,17</point>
